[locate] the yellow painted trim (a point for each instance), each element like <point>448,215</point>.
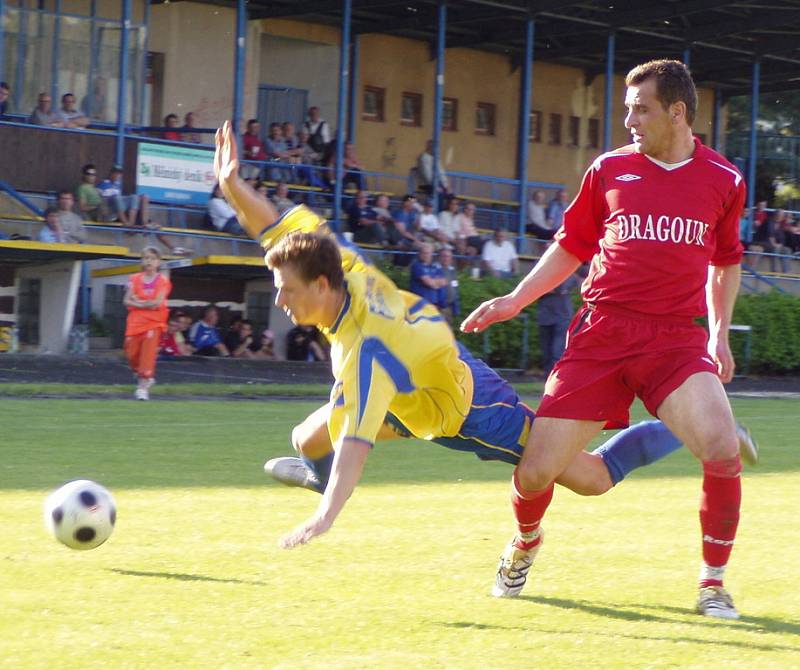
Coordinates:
<point>35,245</point>
<point>240,261</point>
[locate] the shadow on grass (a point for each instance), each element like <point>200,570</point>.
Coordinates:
<point>183,577</point>
<point>754,625</point>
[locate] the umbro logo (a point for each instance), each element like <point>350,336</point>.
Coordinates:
<point>628,177</point>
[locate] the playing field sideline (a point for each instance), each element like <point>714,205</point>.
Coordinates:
<point>192,577</point>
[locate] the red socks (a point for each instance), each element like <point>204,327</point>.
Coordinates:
<point>529,508</point>
<point>719,515</point>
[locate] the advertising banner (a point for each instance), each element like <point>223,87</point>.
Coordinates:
<point>172,174</point>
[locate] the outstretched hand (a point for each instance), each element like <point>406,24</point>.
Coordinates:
<point>226,155</point>
<point>304,532</point>
<point>489,312</point>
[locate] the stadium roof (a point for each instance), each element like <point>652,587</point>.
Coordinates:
<point>724,37</point>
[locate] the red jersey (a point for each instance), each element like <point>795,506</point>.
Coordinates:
<point>253,147</point>
<point>141,320</point>
<point>651,229</point>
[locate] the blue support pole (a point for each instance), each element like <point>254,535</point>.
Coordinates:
<point>341,116</point>
<point>687,56</point>
<point>85,283</point>
<point>716,121</point>
<point>241,57</point>
<point>525,131</point>
<point>438,95</point>
<point>753,155</point>
<point>92,58</point>
<point>125,24</point>
<point>355,56</point>
<point>609,92</point>
<point>22,45</point>
<point>2,40</point>
<point>143,73</point>
<point>55,53</point>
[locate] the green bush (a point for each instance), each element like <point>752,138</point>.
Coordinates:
<point>774,317</point>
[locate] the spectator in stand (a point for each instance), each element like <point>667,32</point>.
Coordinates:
<point>71,116</point>
<point>239,341</point>
<point>427,276</point>
<point>792,234</point>
<point>308,157</point>
<point>468,232</point>
<point>172,341</point>
<point>554,312</point>
<point>43,114</point>
<point>90,202</point>
<point>767,238</point>
<point>448,226</point>
<point>223,218</point>
<point>188,132</point>
<point>5,93</point>
<point>146,300</point>
<point>204,335</point>
<point>95,103</point>
<point>761,214</point>
<point>302,344</point>
<point>319,133</point>
<point>499,256</point>
<point>537,217</point>
<point>362,221</point>
<point>429,224</point>
<point>267,348</point>
<point>556,209</point>
<point>51,231</point>
<point>71,224</point>
<point>281,198</point>
<point>449,303</point>
<point>353,167</point>
<point>292,142</point>
<point>253,147</point>
<point>263,190</point>
<point>425,172</point>
<point>123,207</point>
<point>184,324</point>
<point>171,121</point>
<point>745,229</point>
<point>277,152</point>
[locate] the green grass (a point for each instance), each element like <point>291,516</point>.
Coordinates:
<point>192,577</point>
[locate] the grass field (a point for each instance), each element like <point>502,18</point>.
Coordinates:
<point>192,577</point>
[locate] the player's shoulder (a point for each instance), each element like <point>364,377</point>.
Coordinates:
<point>616,157</point>
<point>717,165</point>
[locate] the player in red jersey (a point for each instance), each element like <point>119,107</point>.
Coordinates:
<point>659,221</point>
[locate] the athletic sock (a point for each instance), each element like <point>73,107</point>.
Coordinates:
<point>636,446</point>
<point>529,508</point>
<point>321,467</point>
<point>719,516</point>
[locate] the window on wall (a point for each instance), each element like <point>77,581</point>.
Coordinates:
<point>574,131</point>
<point>373,104</point>
<point>593,134</point>
<point>450,114</point>
<point>554,129</point>
<point>485,118</point>
<point>535,130</point>
<point>411,109</point>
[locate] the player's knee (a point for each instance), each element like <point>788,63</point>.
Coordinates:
<point>297,439</point>
<point>719,446</point>
<point>532,478</point>
<point>596,485</point>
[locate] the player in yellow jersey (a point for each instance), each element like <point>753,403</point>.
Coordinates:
<point>398,370</point>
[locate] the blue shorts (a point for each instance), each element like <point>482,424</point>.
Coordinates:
<point>498,423</point>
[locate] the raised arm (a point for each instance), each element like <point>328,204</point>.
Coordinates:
<point>553,268</point>
<point>253,212</point>
<point>721,291</point>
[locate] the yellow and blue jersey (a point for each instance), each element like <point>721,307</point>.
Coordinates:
<point>395,360</point>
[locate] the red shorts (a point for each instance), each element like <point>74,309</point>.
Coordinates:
<point>612,356</point>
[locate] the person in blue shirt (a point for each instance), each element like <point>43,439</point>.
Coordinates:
<point>427,277</point>
<point>204,336</point>
<point>51,232</point>
<point>555,210</point>
<point>362,221</point>
<point>125,207</point>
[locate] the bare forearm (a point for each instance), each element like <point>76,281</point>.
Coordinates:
<point>348,464</point>
<point>721,291</point>
<point>253,212</point>
<point>552,269</point>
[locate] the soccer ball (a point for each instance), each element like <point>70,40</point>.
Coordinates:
<point>81,514</point>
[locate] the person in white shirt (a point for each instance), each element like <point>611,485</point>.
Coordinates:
<point>499,256</point>
<point>537,217</point>
<point>429,224</point>
<point>222,216</point>
<point>449,226</point>
<point>425,172</point>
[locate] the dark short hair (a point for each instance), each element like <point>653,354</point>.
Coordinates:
<point>66,95</point>
<point>170,116</point>
<point>673,83</point>
<point>409,196</point>
<point>89,166</point>
<point>4,85</point>
<point>207,309</point>
<point>49,211</point>
<point>252,121</point>
<point>65,191</point>
<point>312,255</point>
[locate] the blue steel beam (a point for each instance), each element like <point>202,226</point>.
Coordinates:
<point>687,57</point>
<point>341,116</point>
<point>92,58</point>
<point>2,40</point>
<point>239,67</point>
<point>525,131</point>
<point>438,95</point>
<point>55,53</point>
<point>355,58</point>
<point>22,45</point>
<point>753,156</point>
<point>716,121</point>
<point>125,24</point>
<point>609,92</point>
<point>143,71</point>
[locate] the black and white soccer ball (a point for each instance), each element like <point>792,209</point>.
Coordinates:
<point>80,514</point>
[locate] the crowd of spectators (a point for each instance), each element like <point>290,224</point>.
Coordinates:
<point>775,233</point>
